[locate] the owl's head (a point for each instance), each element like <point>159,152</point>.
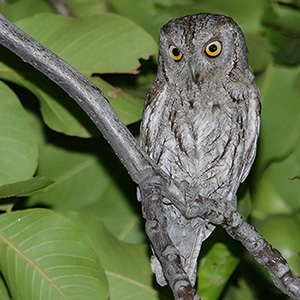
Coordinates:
<point>201,47</point>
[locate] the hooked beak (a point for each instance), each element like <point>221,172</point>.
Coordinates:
<point>195,71</point>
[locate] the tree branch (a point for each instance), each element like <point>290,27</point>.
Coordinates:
<point>152,181</point>
<point>92,100</point>
<point>87,95</point>
<point>264,254</point>
<point>225,214</point>
<point>156,230</point>
<point>61,7</point>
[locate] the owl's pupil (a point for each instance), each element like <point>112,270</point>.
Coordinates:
<point>213,48</point>
<point>176,52</point>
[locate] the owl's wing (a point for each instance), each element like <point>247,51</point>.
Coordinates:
<point>252,130</point>
<point>152,117</point>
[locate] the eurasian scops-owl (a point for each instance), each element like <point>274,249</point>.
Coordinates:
<point>201,120</point>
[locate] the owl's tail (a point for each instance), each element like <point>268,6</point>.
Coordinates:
<point>189,242</point>
<point>187,236</point>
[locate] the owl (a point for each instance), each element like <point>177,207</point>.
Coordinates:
<point>201,121</point>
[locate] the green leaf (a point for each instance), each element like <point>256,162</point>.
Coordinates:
<point>24,188</point>
<point>126,106</point>
<point>244,200</point>
<point>215,269</point>
<point>87,8</point>
<point>293,3</point>
<point>280,113</point>
<point>4,295</point>
<point>127,266</point>
<point>108,43</point>
<point>259,52</point>
<point>245,13</point>
<point>78,179</point>
<point>59,112</point>
<point>62,114</point>
<point>242,291</point>
<point>45,256</point>
<point>284,238</point>
<point>18,148</point>
<point>283,25</point>
<point>98,44</point>
<point>154,14</point>
<point>121,214</point>
<point>143,12</point>
<point>266,199</point>
<point>24,9</point>
<point>282,174</point>
<point>99,185</point>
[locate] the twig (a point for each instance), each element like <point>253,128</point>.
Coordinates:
<point>225,214</point>
<point>61,8</point>
<point>264,254</point>
<point>156,230</point>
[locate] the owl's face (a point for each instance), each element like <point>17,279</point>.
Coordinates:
<point>201,47</point>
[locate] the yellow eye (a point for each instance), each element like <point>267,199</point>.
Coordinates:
<point>175,53</point>
<point>213,49</point>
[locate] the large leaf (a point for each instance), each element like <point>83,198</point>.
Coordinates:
<point>127,266</point>
<point>18,148</point>
<point>24,188</point>
<point>266,200</point>
<point>108,43</point>
<point>4,295</point>
<point>215,267</point>
<point>245,13</point>
<point>24,9</point>
<point>99,185</point>
<point>278,190</point>
<point>280,112</point>
<point>88,7</point>
<point>126,106</point>
<point>259,56</point>
<point>283,25</point>
<point>59,112</point>
<point>45,256</point>
<point>99,44</point>
<point>285,177</point>
<point>154,14</point>
<point>284,238</point>
<point>144,13</point>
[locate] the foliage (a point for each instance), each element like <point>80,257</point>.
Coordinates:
<point>70,224</point>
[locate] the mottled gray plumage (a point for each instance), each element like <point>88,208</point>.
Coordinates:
<point>201,120</point>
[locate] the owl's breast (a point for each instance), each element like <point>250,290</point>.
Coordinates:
<point>199,138</point>
<point>219,145</point>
